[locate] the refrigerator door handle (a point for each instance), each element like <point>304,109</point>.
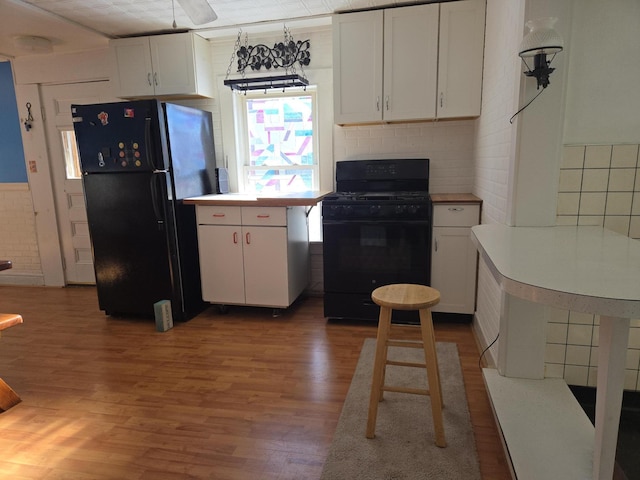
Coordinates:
<point>148,143</point>
<point>155,200</point>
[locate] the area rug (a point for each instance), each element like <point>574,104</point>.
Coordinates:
<point>404,447</point>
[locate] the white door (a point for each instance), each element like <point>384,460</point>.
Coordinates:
<point>65,171</point>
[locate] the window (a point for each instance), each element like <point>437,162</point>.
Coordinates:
<point>71,158</point>
<point>278,141</point>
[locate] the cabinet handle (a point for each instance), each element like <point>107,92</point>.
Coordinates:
<point>218,215</point>
<point>378,103</point>
<point>456,209</point>
<point>264,215</point>
<point>149,78</point>
<point>386,101</point>
<point>247,238</point>
<point>441,99</point>
<point>235,237</point>
<point>436,245</point>
<point>155,78</point>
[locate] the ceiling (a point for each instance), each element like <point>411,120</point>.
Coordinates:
<point>74,25</point>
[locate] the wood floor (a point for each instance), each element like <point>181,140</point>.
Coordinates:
<point>238,396</point>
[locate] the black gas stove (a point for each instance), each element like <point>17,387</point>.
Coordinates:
<point>377,231</point>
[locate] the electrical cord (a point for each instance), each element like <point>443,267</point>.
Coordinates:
<point>485,351</point>
<point>530,102</point>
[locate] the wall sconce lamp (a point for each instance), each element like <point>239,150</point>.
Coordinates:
<point>542,40</point>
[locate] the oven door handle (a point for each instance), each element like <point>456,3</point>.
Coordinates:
<point>376,222</point>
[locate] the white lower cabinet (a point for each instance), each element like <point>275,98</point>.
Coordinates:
<point>253,255</point>
<point>454,258</point>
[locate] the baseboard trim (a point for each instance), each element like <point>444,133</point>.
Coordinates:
<point>32,279</point>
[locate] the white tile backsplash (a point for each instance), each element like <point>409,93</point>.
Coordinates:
<point>573,156</point>
<point>568,203</point>
<point>624,156</point>
<point>592,203</point>
<point>619,203</point>
<point>597,156</point>
<point>598,185</point>
<point>622,179</point>
<point>581,318</point>
<point>570,180</point>
<point>594,180</point>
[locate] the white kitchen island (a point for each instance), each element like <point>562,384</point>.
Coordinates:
<point>254,249</point>
<point>585,269</point>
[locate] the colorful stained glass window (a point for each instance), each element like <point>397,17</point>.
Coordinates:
<point>280,135</point>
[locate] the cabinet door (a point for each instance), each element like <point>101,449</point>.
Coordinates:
<point>172,59</point>
<point>410,62</point>
<point>453,269</point>
<point>357,67</point>
<point>133,67</point>
<point>221,263</point>
<point>461,55</point>
<point>265,266</point>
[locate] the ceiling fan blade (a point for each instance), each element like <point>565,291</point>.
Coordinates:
<point>199,11</point>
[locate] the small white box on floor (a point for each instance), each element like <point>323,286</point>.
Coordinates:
<point>164,319</point>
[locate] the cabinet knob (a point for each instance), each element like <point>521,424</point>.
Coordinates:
<point>149,78</point>
<point>155,78</point>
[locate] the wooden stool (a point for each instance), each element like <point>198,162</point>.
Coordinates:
<point>8,398</point>
<point>406,297</point>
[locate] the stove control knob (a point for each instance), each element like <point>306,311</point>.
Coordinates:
<point>375,209</point>
<point>400,209</point>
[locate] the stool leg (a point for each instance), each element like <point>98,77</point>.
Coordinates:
<point>431,360</point>
<point>377,381</point>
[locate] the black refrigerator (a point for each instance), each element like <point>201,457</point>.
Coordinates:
<point>139,160</point>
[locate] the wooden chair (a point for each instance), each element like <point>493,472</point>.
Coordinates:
<point>8,398</point>
<point>406,297</point>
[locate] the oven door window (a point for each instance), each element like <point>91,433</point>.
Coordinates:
<point>360,256</point>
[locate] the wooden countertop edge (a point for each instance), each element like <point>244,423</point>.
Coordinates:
<point>454,198</point>
<point>286,201</point>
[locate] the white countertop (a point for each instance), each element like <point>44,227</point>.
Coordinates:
<point>307,198</point>
<point>588,269</point>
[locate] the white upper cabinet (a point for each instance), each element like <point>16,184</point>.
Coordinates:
<point>172,65</point>
<point>410,62</point>
<point>357,67</point>
<point>419,62</point>
<point>461,58</point>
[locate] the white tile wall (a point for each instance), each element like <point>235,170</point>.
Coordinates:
<point>18,242</point>
<point>448,144</point>
<point>599,185</point>
<point>494,145</point>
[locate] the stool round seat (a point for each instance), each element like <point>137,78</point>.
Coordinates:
<point>405,296</point>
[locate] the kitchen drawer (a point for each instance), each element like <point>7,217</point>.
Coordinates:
<point>218,215</point>
<point>456,215</point>
<point>271,216</point>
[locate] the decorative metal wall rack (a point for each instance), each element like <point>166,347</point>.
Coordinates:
<point>283,55</point>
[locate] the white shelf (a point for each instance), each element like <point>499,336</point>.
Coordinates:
<point>546,432</point>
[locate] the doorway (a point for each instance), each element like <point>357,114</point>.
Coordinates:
<point>66,178</point>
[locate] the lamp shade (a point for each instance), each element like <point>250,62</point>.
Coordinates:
<point>542,38</point>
